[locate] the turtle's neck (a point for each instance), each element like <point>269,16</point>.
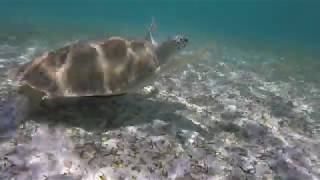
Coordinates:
<point>165,50</point>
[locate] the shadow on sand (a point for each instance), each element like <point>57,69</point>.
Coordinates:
<point>99,114</point>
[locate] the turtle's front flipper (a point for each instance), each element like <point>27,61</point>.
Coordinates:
<point>152,28</point>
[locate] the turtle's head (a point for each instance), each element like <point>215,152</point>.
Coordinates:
<point>180,41</point>
<point>170,47</point>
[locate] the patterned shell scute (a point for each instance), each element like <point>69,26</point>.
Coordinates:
<point>93,68</point>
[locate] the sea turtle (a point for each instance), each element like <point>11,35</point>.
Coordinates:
<point>105,67</point>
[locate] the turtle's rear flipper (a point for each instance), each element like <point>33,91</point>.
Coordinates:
<point>14,72</point>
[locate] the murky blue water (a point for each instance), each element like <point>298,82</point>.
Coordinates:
<point>250,84</point>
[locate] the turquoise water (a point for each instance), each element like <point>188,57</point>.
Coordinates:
<point>290,22</point>
<point>245,95</point>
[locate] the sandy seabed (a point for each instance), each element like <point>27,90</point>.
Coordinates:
<point>223,116</point>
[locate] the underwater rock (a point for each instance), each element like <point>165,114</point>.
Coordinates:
<point>231,115</point>
<point>159,127</point>
<point>189,138</point>
<point>186,177</point>
<point>238,150</point>
<point>262,169</point>
<point>236,174</point>
<point>179,167</point>
<point>247,165</point>
<point>62,176</point>
<point>150,90</point>
<point>279,106</point>
<point>254,131</point>
<point>88,151</point>
<point>287,170</point>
